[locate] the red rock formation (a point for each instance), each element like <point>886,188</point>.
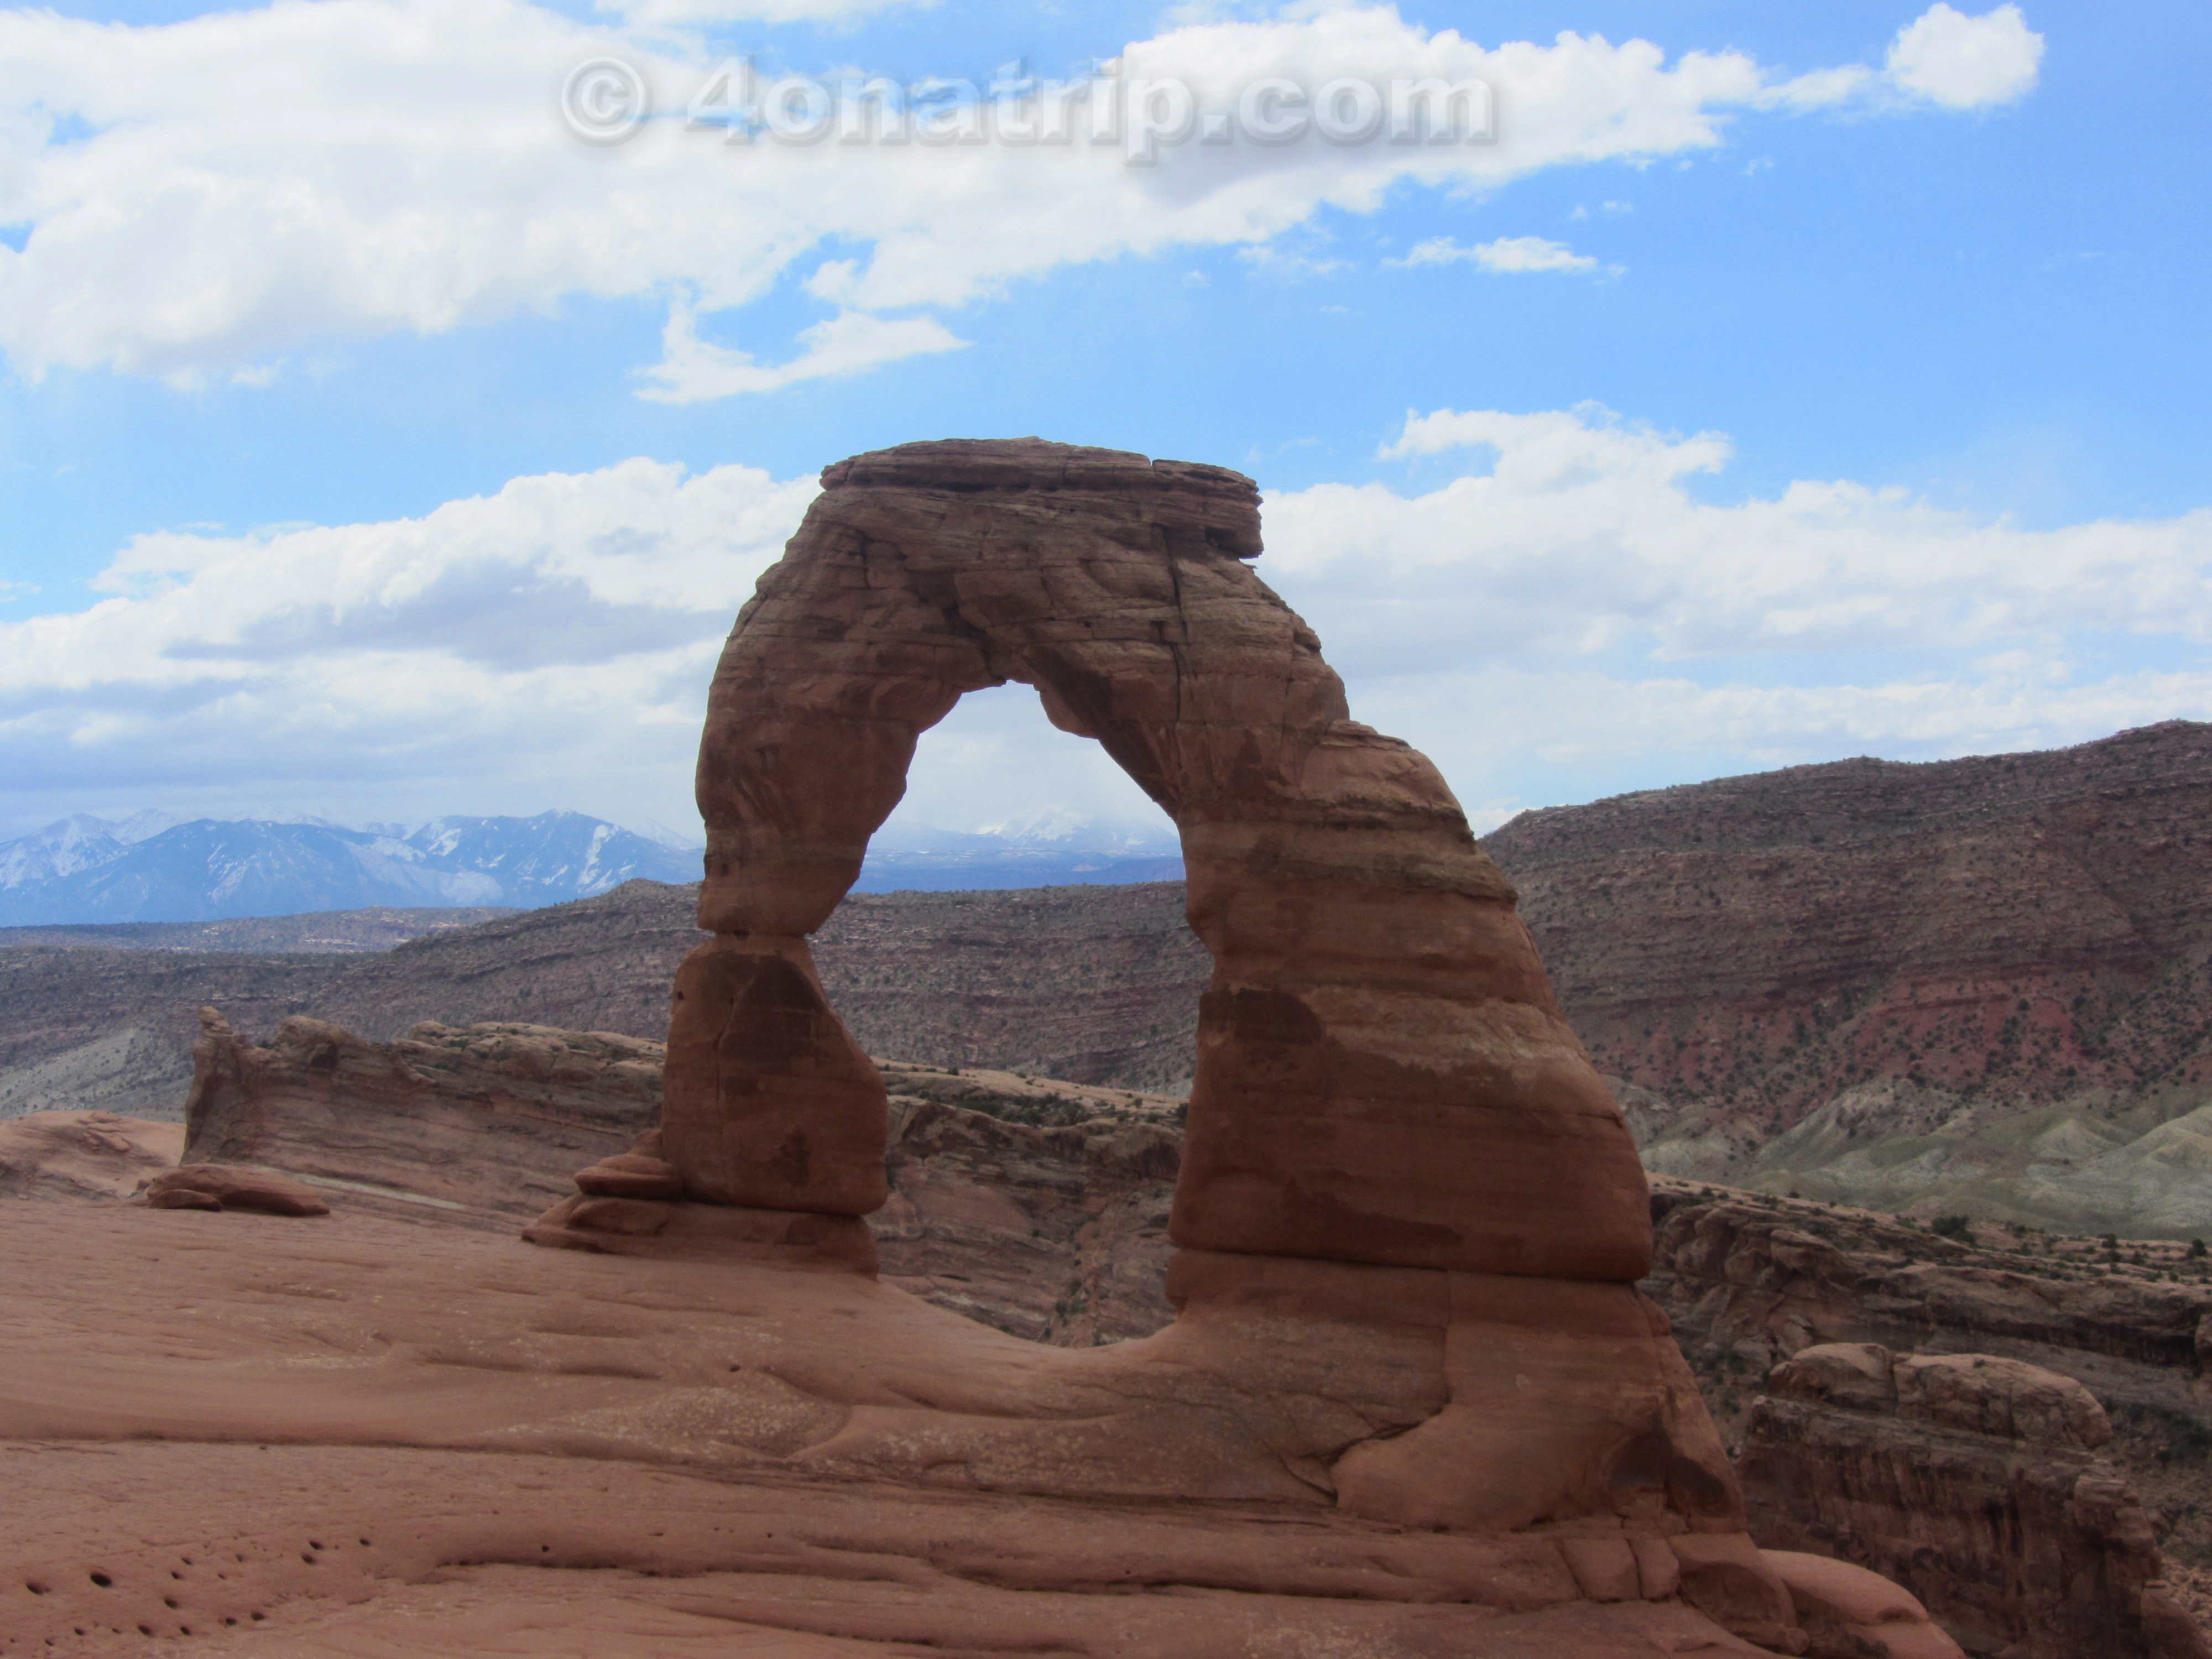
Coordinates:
<point>2026,927</point>
<point>1410,1214</point>
<point>1404,1190</point>
<point>1382,1067</point>
<point>480,1126</point>
<point>1971,1479</point>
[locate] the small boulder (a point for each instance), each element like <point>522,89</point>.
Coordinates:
<point>232,1187</point>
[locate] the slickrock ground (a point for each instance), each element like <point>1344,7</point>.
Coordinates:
<point>1975,1480</point>
<point>73,1155</point>
<point>348,1436</point>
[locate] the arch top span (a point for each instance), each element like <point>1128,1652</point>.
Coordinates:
<point>1383,1075</point>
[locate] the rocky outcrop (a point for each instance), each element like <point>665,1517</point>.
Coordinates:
<point>1972,1479</point>
<point>1036,1206</point>
<point>1745,1264</point>
<point>1057,1234</point>
<point>1750,1280</point>
<point>483,1125</point>
<point>80,1155</point>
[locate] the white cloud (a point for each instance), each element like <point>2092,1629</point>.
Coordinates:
<point>351,167</point>
<point>666,14</point>
<point>1556,597</point>
<point>692,370</point>
<point>1563,599</point>
<point>1966,63</point>
<point>548,644</point>
<point>1508,254</point>
<point>1579,535</point>
<point>1820,89</point>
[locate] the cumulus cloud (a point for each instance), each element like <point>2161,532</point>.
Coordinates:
<point>1564,597</point>
<point>352,168</point>
<point>1558,596</point>
<point>1966,63</point>
<point>549,644</point>
<point>1507,255</point>
<point>1574,532</point>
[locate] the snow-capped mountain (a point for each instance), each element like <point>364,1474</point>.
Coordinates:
<point>1058,847</point>
<point>87,870</point>
<point>152,868</point>
<point>73,844</point>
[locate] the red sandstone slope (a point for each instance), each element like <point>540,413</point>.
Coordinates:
<point>2037,924</point>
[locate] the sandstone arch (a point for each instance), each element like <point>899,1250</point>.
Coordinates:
<point>1383,1075</point>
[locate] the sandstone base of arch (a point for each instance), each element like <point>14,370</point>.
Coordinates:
<point>403,1440</point>
<point>705,1232</point>
<point>1554,1401</point>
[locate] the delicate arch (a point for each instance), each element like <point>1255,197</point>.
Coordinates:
<point>1383,1075</point>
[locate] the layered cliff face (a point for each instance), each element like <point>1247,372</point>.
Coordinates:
<point>1980,984</point>
<point>1037,1206</point>
<point>1975,1481</point>
<point>1975,986</point>
<point>1750,1281</point>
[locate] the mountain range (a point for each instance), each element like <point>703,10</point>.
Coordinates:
<point>88,870</point>
<point>152,869</point>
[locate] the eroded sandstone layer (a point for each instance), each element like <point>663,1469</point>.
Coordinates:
<point>1975,1480</point>
<point>481,1125</point>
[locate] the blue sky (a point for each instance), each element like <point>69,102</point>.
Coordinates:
<point>1808,381</point>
